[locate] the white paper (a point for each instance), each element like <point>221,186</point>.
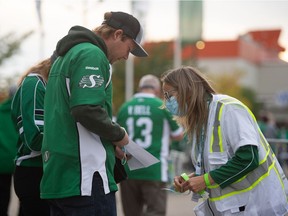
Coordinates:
<point>140,157</point>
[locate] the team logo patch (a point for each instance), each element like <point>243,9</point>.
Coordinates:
<point>91,81</point>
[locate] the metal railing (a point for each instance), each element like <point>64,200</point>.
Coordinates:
<point>280,149</point>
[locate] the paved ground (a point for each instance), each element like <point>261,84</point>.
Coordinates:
<point>13,204</point>
<point>178,205</point>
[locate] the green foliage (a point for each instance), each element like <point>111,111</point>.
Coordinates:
<point>250,95</point>
<point>10,44</point>
<point>159,60</point>
<point>118,80</point>
<point>228,83</point>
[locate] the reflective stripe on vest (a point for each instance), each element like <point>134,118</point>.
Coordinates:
<point>216,139</point>
<point>252,179</point>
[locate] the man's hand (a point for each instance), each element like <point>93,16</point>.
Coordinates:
<point>120,154</point>
<point>124,141</point>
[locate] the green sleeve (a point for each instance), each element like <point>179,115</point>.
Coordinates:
<point>96,119</point>
<point>244,161</point>
<point>32,112</point>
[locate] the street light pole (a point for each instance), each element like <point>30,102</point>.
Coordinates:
<point>138,9</point>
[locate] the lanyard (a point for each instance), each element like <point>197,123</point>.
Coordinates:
<point>199,166</point>
<point>199,170</point>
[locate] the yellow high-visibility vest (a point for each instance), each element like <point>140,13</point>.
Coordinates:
<point>238,193</point>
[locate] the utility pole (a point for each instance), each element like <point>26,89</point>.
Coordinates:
<point>177,42</point>
<point>41,29</point>
<point>138,9</point>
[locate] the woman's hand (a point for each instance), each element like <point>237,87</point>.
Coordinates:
<point>194,183</point>
<point>179,182</point>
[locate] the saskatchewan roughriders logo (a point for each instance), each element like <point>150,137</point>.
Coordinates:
<point>91,81</point>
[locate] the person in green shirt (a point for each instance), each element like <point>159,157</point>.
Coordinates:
<point>236,171</point>
<point>153,129</point>
<point>80,137</point>
<point>27,111</point>
<point>8,150</point>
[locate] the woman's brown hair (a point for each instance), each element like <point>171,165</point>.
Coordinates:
<point>42,68</point>
<point>193,92</point>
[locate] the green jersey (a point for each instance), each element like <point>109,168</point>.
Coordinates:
<point>150,127</point>
<point>28,116</point>
<point>8,138</point>
<point>71,153</point>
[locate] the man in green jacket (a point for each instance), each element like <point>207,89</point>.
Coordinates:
<point>80,137</point>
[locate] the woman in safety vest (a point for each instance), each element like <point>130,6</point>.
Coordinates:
<point>236,172</point>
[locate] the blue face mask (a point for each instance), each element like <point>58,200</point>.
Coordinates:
<point>172,106</point>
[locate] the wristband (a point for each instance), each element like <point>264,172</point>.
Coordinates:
<point>185,176</point>
<point>206,179</point>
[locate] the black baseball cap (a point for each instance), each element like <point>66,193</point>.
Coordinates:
<point>131,27</point>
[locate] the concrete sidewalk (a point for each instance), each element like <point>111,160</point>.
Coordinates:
<point>178,205</point>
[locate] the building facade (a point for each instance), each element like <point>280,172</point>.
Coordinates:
<point>256,55</point>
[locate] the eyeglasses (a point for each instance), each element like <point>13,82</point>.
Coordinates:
<point>167,95</point>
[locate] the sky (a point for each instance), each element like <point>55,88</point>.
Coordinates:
<point>222,20</point>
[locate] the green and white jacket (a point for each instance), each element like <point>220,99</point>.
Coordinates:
<point>28,116</point>
<point>72,149</point>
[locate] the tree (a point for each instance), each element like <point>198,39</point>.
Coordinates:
<point>159,60</point>
<point>10,44</point>
<point>228,83</point>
